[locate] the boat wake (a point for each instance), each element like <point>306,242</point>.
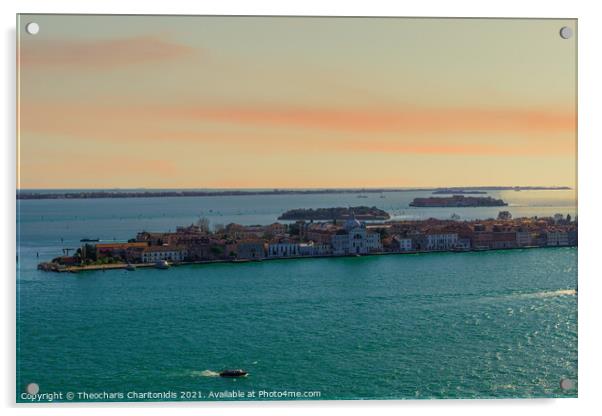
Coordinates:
<point>205,373</point>
<point>550,294</point>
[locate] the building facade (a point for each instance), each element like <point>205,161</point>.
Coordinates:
<point>355,239</point>
<point>154,254</point>
<point>441,241</point>
<point>524,238</point>
<point>284,249</point>
<point>557,238</point>
<point>404,244</point>
<point>250,250</point>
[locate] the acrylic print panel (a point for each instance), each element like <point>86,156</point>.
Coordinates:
<point>287,208</point>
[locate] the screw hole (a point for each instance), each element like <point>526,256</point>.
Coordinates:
<point>566,32</point>
<point>32,28</point>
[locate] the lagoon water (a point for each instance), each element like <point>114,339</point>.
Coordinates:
<point>445,325</point>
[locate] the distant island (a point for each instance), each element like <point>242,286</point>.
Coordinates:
<point>339,213</point>
<point>457,201</point>
<point>94,194</point>
<point>457,191</point>
<point>469,189</point>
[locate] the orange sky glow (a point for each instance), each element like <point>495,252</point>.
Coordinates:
<point>177,104</point>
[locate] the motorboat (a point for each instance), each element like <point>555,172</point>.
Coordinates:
<point>233,373</point>
<point>162,264</point>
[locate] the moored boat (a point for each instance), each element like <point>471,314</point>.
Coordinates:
<point>162,264</point>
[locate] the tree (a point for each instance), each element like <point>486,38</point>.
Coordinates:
<point>294,229</point>
<point>88,252</point>
<point>217,250</point>
<point>384,233</point>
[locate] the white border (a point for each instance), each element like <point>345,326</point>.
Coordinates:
<point>590,135</point>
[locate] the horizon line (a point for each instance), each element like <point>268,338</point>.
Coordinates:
<point>295,188</point>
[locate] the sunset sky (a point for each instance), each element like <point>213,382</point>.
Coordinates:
<point>242,102</point>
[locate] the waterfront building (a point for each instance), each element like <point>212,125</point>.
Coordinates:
<point>318,232</point>
<point>209,249</point>
<point>321,249</point>
<point>463,243</point>
<point>315,249</point>
<point>540,239</point>
<point>154,239</point>
<point>355,239</point>
<point>250,250</point>
<point>446,241</point>
<point>403,244</point>
<point>306,249</point>
<point>198,249</point>
<point>572,237</point>
<point>69,260</point>
<point>503,239</point>
<point>121,250</point>
<point>557,238</point>
<point>525,238</point>
<point>276,229</point>
<point>481,240</point>
<point>153,254</point>
<point>238,231</point>
<point>284,249</point>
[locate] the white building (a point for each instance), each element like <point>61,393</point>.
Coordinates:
<point>314,249</point>
<point>463,244</point>
<point>355,239</point>
<point>557,238</point>
<point>283,249</point>
<point>154,254</point>
<point>321,249</point>
<point>524,238</point>
<point>441,241</point>
<point>404,244</point>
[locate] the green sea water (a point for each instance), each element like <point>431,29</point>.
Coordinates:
<point>498,324</point>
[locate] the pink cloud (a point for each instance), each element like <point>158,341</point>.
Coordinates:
<point>383,131</point>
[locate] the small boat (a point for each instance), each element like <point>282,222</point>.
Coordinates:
<point>89,240</point>
<point>162,264</point>
<point>130,267</point>
<point>233,373</point>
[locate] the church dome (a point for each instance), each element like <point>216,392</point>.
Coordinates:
<point>352,223</point>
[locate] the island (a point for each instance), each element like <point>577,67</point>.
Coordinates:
<point>457,192</point>
<point>234,243</point>
<point>362,213</point>
<point>457,201</point>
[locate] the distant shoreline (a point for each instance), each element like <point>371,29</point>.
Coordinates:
<point>27,194</point>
